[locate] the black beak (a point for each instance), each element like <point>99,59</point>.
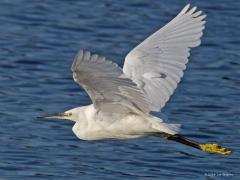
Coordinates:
<point>53,116</point>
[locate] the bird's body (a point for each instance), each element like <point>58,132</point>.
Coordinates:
<point>92,124</point>
<point>123,98</point>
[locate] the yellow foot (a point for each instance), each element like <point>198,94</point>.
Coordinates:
<point>215,148</point>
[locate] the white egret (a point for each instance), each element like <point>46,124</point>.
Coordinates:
<point>124,98</point>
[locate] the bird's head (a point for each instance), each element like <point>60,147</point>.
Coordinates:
<point>71,114</point>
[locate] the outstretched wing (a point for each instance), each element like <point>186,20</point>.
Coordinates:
<point>106,84</point>
<point>157,64</point>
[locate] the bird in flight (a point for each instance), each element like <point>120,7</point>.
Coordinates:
<point>123,98</point>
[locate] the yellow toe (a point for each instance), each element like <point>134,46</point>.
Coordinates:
<point>215,148</point>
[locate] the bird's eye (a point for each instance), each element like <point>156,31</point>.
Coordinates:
<point>69,114</point>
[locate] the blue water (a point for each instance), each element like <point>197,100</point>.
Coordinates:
<point>38,40</point>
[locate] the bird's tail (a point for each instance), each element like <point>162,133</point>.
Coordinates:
<point>212,148</point>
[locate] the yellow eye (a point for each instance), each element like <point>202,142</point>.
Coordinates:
<point>69,114</point>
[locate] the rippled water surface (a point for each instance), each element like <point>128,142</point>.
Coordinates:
<point>38,40</point>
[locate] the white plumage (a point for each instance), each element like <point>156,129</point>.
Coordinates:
<point>156,65</point>
<point>106,84</point>
<point>123,98</point>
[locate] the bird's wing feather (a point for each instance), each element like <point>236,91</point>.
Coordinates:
<point>157,64</point>
<point>106,84</point>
